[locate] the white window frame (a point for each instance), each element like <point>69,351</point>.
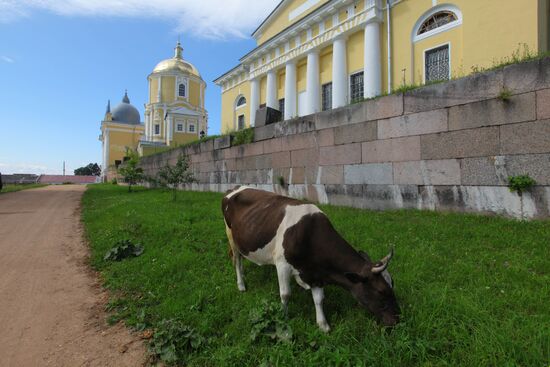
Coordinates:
<point>155,129</point>
<point>424,52</point>
<point>192,123</point>
<point>349,82</point>
<point>237,100</point>
<point>184,81</point>
<point>178,124</point>
<point>436,9</point>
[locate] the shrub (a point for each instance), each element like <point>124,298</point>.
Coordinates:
<point>173,176</point>
<point>131,173</point>
<point>520,183</point>
<point>245,136</point>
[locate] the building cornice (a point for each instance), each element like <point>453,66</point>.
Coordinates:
<point>370,14</point>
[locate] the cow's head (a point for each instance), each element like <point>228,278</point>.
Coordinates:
<point>373,288</point>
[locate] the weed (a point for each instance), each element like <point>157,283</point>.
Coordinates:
<point>123,250</point>
<point>268,320</point>
<point>505,95</point>
<point>520,183</point>
<point>281,180</point>
<point>245,136</point>
<point>173,342</point>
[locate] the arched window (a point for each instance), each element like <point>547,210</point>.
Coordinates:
<point>241,101</point>
<point>181,90</point>
<point>437,20</point>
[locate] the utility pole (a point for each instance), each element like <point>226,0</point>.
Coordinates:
<point>63,168</point>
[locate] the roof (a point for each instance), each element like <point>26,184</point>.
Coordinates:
<point>279,6</point>
<point>60,179</point>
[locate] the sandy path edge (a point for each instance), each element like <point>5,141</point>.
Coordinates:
<point>51,301</point>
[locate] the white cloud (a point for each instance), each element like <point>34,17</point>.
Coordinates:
<point>7,59</point>
<point>214,19</point>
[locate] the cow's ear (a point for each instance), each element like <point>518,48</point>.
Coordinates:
<point>354,277</point>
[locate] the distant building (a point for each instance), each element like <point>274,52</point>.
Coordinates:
<point>315,55</point>
<point>175,114</point>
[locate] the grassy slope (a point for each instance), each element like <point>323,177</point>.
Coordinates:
<point>13,188</point>
<point>475,291</point>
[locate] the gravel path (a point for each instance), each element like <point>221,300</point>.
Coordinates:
<point>51,304</point>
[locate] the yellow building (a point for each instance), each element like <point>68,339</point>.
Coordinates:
<point>174,114</point>
<point>314,55</point>
<point>121,130</point>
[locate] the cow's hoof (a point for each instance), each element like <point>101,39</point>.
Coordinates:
<point>324,327</point>
<point>242,288</point>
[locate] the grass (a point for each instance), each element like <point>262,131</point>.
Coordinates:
<point>474,290</point>
<point>19,187</point>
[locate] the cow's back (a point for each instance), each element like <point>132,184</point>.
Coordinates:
<point>253,216</point>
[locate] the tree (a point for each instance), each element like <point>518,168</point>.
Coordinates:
<point>173,176</point>
<point>130,172</point>
<point>91,169</point>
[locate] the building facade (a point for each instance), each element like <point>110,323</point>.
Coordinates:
<point>175,114</point>
<point>314,55</point>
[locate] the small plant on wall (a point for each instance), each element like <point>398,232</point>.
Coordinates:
<point>521,183</point>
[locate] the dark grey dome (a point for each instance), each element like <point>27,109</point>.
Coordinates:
<point>126,113</point>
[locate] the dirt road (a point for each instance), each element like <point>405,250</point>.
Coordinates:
<point>51,305</point>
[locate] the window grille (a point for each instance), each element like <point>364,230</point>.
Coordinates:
<point>437,20</point>
<point>437,64</point>
<point>356,87</point>
<point>241,122</point>
<point>327,97</point>
<point>157,129</point>
<point>182,90</point>
<point>241,101</point>
<point>191,128</point>
<point>282,108</point>
<point>180,127</point>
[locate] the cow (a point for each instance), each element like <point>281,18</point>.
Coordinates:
<point>298,238</point>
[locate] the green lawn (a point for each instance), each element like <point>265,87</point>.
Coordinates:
<point>474,290</point>
<point>19,187</point>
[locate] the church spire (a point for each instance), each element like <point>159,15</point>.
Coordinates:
<point>108,106</point>
<point>178,50</point>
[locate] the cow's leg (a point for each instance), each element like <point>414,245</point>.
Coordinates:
<point>239,269</point>
<point>318,296</point>
<point>284,272</point>
<point>237,259</point>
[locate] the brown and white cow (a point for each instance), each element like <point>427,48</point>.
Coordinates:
<point>300,241</point>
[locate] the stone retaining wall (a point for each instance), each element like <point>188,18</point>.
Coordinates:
<point>449,146</point>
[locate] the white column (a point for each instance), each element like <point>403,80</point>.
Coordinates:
<point>254,99</point>
<point>290,90</point>
<point>373,64</point>
<point>169,130</point>
<point>312,83</point>
<point>339,73</point>
<point>159,92</point>
<point>271,93</point>
<point>106,159</point>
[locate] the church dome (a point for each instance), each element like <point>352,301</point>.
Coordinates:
<point>177,63</point>
<point>126,113</point>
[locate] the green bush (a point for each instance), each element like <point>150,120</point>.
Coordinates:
<point>173,341</point>
<point>520,183</point>
<point>245,136</point>
<point>122,250</point>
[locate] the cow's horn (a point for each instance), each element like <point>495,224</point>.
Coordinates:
<point>383,264</point>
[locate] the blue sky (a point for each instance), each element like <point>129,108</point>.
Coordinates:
<point>60,60</point>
